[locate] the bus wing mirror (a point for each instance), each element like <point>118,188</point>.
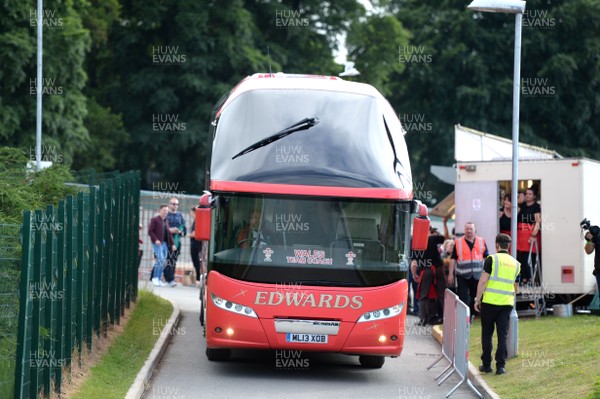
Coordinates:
<point>203,218</point>
<point>421,229</point>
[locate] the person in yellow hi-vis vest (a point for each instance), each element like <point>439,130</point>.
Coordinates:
<point>495,300</point>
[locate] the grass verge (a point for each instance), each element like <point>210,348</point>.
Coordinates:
<point>8,348</point>
<point>557,358</point>
<point>112,376</point>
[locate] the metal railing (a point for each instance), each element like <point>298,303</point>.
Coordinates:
<point>9,304</point>
<point>78,273</point>
<point>449,333</point>
<point>455,342</point>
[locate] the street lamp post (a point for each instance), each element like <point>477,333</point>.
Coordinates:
<point>516,7</point>
<point>39,88</point>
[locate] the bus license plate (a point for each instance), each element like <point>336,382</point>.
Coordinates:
<point>307,338</point>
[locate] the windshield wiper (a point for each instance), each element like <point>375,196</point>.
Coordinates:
<point>304,124</point>
<point>389,135</point>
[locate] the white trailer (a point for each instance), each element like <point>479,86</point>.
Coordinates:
<point>569,191</point>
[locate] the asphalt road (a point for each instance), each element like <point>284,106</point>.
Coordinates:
<point>185,373</point>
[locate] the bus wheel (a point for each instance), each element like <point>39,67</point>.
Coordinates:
<point>371,362</point>
<point>218,355</point>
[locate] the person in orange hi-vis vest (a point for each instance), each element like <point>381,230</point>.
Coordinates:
<point>466,263</point>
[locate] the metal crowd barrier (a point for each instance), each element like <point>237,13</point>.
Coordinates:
<point>449,332</point>
<point>455,342</point>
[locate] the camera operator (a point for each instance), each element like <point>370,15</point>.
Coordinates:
<point>592,238</point>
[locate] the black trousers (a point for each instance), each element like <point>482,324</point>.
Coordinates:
<point>467,290</point>
<point>195,253</point>
<point>440,288</point>
<point>523,258</point>
<point>427,309</point>
<point>170,264</point>
<point>498,317</point>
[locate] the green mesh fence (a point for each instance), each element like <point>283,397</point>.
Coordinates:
<point>78,272</point>
<point>10,250</point>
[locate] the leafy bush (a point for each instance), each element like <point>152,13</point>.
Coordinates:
<point>22,190</point>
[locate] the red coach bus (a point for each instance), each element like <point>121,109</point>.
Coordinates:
<point>308,220</point>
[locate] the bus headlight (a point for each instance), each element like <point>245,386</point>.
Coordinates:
<point>233,307</point>
<point>381,314</point>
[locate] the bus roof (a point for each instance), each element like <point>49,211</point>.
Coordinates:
<point>283,81</point>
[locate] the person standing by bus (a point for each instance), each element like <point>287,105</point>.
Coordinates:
<point>162,240</point>
<point>494,300</point>
<point>424,267</point>
<point>528,229</point>
<point>177,228</point>
<point>195,246</point>
<point>467,263</point>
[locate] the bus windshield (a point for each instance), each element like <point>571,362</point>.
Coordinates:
<point>307,240</point>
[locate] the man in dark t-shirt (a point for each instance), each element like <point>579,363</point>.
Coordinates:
<point>591,245</point>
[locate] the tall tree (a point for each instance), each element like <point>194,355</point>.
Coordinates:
<point>458,69</point>
<point>105,127</point>
<point>169,62</point>
<point>373,44</point>
<point>64,105</point>
<point>166,63</point>
<point>302,34</point>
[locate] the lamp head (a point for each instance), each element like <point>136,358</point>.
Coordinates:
<point>505,6</point>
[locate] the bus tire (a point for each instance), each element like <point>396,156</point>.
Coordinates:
<point>218,355</point>
<point>371,362</point>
